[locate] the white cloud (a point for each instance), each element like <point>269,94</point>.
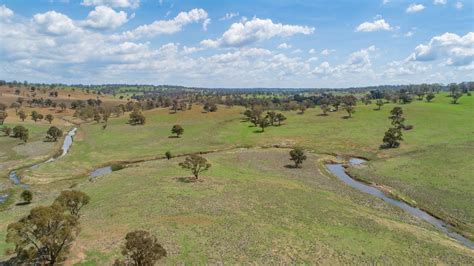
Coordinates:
<point>190,50</point>
<point>167,26</point>
<point>459,5</point>
<point>404,68</point>
<point>5,12</point>
<point>229,16</point>
<point>385,2</point>
<point>103,17</point>
<point>284,46</point>
<point>112,3</point>
<point>246,32</point>
<point>312,51</point>
<point>357,62</point>
<point>440,2</point>
<point>53,22</point>
<point>360,59</point>
<point>327,52</point>
<point>409,34</point>
<point>413,8</point>
<point>377,25</point>
<point>312,59</point>
<point>455,50</point>
<point>206,23</point>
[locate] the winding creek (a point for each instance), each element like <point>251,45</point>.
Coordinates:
<point>67,143</point>
<point>336,169</point>
<point>339,171</point>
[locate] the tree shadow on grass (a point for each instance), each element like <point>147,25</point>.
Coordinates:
<point>346,117</point>
<point>258,131</point>
<point>22,203</point>
<point>187,179</point>
<point>173,137</point>
<point>292,166</point>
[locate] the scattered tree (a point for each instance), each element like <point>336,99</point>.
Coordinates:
<point>43,237</point>
<point>34,116</point>
<point>349,102</point>
<point>27,196</point>
<point>142,249</point>
<point>49,118</point>
<point>456,97</point>
<point>297,156</point>
<point>263,123</point>
<point>280,118</point>
<point>178,130</point>
<point>392,138</point>
<point>325,108</point>
<point>21,132</point>
<point>396,115</point>
<point>137,118</point>
<point>379,103</point>
<point>22,115</point>
<point>430,96</point>
<point>72,201</point>
<point>53,134</point>
<point>62,106</point>
<point>196,163</point>
<point>168,155</point>
<point>271,117</point>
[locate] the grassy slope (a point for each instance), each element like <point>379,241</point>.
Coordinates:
<point>250,208</point>
<point>416,169</point>
<point>438,174</point>
<point>439,128</point>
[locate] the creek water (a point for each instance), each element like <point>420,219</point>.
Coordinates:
<point>15,179</point>
<point>339,171</point>
<point>101,171</point>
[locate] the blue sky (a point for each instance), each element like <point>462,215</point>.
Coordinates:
<point>237,43</point>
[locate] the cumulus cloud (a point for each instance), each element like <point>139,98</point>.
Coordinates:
<point>167,26</point>
<point>413,8</point>
<point>250,31</point>
<point>312,51</point>
<point>404,68</point>
<point>455,50</point>
<point>5,12</point>
<point>327,52</point>
<point>284,46</point>
<point>112,3</point>
<point>376,25</point>
<point>358,61</point>
<point>440,2</point>
<point>459,5</point>
<point>228,16</point>
<point>53,22</point>
<point>103,17</point>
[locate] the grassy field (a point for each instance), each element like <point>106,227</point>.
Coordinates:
<point>314,218</point>
<point>250,208</point>
<point>414,168</point>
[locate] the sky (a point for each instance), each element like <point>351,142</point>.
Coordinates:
<point>245,43</point>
